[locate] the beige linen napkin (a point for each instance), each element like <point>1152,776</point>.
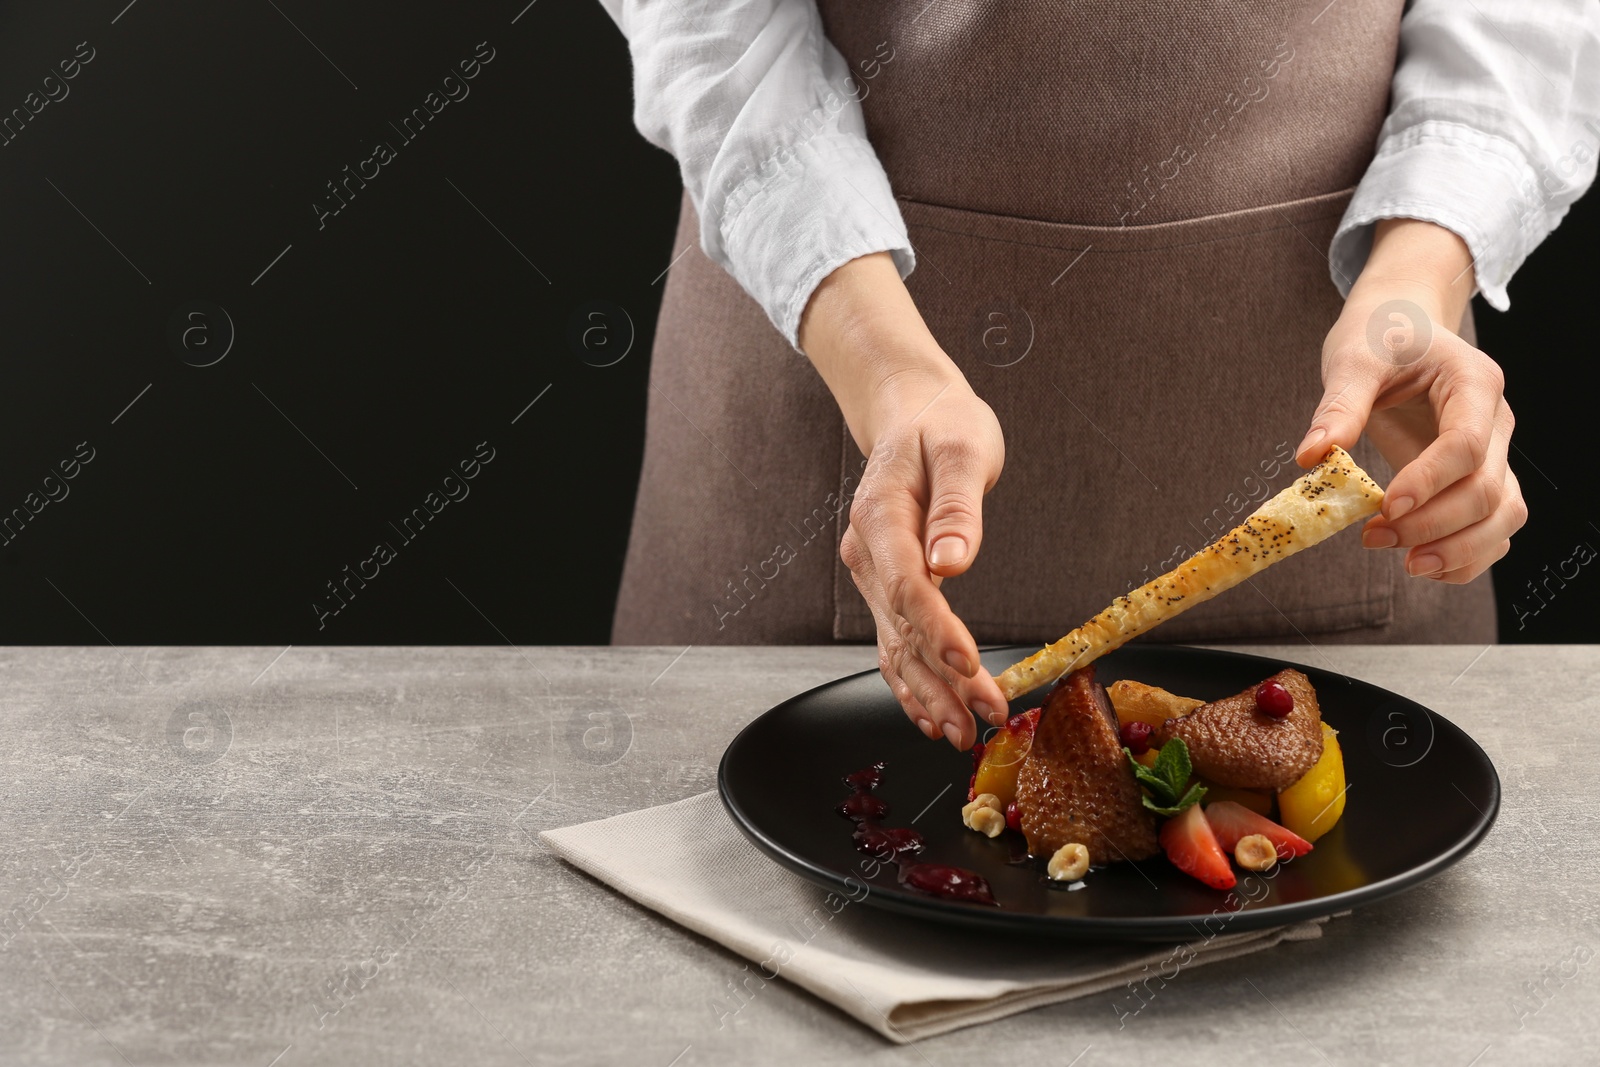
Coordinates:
<point>904,977</point>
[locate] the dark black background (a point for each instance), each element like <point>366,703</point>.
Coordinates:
<point>381,349</point>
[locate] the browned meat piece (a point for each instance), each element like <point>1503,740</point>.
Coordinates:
<point>1076,785</point>
<point>1231,742</point>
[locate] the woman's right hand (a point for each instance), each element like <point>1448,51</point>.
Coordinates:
<point>933,450</point>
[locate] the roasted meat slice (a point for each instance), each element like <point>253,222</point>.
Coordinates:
<point>1076,785</point>
<point>1234,743</point>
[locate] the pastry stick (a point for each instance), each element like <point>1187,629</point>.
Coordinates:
<point>1320,503</point>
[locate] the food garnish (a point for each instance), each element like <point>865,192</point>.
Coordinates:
<point>1136,737</point>
<point>1167,782</point>
<point>997,761</point>
<point>1255,853</point>
<point>1274,699</point>
<point>897,844</point>
<point>1070,863</point>
<point>1315,802</point>
<point>1233,823</point>
<point>983,814</point>
<point>1193,848</point>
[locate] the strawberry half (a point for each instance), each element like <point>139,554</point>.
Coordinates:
<point>1193,848</point>
<point>1231,822</point>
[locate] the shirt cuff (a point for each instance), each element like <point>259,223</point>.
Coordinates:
<point>1479,186</point>
<point>821,204</point>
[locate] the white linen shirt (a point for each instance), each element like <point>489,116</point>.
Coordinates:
<point>1493,132</point>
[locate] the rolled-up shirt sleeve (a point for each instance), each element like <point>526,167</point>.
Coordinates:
<point>764,117</point>
<point>1493,131</point>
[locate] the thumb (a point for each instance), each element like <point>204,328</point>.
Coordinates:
<point>1350,389</point>
<point>955,510</point>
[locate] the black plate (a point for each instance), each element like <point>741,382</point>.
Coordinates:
<point>1421,795</point>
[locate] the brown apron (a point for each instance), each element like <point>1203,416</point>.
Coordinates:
<point>1121,213</point>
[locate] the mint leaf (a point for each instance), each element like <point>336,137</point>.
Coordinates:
<point>1165,780</point>
<point>1190,798</point>
<point>1172,763</point>
<point>1151,780</point>
<point>1143,773</point>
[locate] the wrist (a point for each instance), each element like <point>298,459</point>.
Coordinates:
<point>1421,261</point>
<point>863,333</point>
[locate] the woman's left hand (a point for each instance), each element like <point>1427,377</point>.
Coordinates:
<point>1432,404</point>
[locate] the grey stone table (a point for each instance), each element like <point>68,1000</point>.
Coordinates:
<point>328,855</point>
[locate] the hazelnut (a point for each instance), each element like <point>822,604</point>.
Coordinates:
<point>1070,863</point>
<point>1255,852</point>
<point>979,803</point>
<point>987,821</point>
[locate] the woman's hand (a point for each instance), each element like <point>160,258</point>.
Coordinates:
<point>916,520</point>
<point>933,449</point>
<point>1432,403</point>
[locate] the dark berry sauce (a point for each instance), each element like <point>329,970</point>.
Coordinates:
<point>955,883</point>
<point>866,810</point>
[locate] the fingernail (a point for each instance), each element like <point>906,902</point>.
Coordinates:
<point>952,734</point>
<point>1423,566</point>
<point>982,710</point>
<point>960,662</point>
<point>927,728</point>
<point>1400,506</point>
<point>1380,537</point>
<point>1312,438</point>
<point>947,551</point>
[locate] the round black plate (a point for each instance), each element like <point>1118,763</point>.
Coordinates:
<point>1421,795</point>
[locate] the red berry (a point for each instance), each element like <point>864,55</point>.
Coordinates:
<point>1013,816</point>
<point>1274,699</point>
<point>1192,847</point>
<point>1232,822</point>
<point>1136,736</point>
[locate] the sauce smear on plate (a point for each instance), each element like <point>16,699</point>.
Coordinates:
<point>866,809</point>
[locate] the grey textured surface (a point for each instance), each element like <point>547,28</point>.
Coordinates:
<point>330,860</point>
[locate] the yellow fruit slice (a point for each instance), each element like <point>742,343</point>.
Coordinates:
<point>1312,805</point>
<point>1002,758</point>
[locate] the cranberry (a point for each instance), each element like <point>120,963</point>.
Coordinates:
<point>1136,736</point>
<point>1013,816</point>
<point>1274,699</point>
